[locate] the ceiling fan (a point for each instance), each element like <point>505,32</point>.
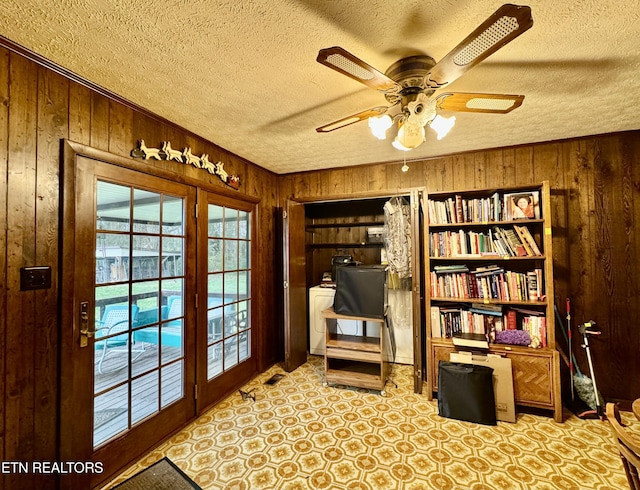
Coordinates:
<point>410,84</point>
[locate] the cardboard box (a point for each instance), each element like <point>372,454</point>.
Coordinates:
<point>502,381</point>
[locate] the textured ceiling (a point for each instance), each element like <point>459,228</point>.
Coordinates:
<point>243,73</point>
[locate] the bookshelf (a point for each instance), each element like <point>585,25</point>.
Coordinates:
<point>490,270</point>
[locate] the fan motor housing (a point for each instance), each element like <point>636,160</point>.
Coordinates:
<point>409,73</point>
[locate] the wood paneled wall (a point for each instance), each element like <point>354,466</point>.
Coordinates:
<point>595,186</point>
<point>38,108</point>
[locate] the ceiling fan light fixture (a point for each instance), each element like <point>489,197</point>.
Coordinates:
<point>379,125</point>
<point>398,146</point>
<point>442,125</point>
<point>409,137</point>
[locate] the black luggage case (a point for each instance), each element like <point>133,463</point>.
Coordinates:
<point>465,392</point>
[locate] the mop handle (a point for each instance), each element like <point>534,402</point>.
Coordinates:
<point>569,336</point>
<point>587,349</point>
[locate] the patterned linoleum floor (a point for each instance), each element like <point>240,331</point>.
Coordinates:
<point>301,435</point>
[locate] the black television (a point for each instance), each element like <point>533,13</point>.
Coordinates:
<point>361,290</point>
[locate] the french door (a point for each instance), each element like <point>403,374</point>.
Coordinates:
<point>128,338</point>
<point>226,272</point>
<point>157,316</point>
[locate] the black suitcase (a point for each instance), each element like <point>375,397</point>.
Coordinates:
<point>465,392</point>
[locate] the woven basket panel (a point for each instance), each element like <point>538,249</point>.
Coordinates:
<point>531,378</point>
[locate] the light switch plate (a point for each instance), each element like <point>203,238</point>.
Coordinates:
<point>35,277</point>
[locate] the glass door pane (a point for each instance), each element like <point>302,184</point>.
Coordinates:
<point>139,357</point>
<point>228,288</point>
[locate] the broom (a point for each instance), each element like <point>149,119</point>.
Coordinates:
<point>581,384</point>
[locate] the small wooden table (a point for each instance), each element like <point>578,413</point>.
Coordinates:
<point>635,408</point>
<point>355,360</point>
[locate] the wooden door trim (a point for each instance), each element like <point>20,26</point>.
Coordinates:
<point>74,148</point>
<point>295,348</point>
<point>357,196</point>
<point>419,249</point>
<point>418,244</point>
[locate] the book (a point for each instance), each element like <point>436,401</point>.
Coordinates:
<point>510,320</point>
<point>515,243</point>
<point>532,286</point>
<point>436,329</point>
<point>477,340</point>
<point>523,240</point>
<point>524,231</point>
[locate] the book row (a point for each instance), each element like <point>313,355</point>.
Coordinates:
<point>491,282</point>
<point>496,207</point>
<point>507,242</point>
<point>489,321</point>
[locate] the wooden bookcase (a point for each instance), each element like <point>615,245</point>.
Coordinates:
<point>454,219</point>
<point>354,360</point>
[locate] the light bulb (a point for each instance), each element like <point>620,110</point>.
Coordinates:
<point>442,125</point>
<point>379,125</point>
<point>410,136</point>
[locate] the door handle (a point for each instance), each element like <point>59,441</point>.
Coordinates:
<point>85,333</point>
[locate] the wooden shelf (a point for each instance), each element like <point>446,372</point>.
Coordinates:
<point>484,301</point>
<point>484,224</point>
<point>344,225</point>
<point>360,374</point>
<point>354,360</point>
<point>355,342</point>
<point>346,245</point>
<point>485,258</point>
<point>329,313</point>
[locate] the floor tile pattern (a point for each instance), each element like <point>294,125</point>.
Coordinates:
<point>299,435</point>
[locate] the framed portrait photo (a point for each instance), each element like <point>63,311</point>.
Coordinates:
<point>522,205</point>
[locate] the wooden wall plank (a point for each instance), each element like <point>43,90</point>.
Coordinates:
<point>99,122</point>
<point>618,292</point>
<point>482,169</point>
<point>4,152</point>
<point>79,113</point>
<point>524,166</point>
<point>120,129</point>
<point>493,164</point>
<point>53,107</point>
<point>631,152</point>
<point>21,184</point>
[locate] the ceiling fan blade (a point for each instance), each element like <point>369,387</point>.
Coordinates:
<point>506,23</point>
<point>490,103</point>
<point>354,118</point>
<point>344,62</point>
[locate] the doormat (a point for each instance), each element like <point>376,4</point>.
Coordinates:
<point>101,417</point>
<point>274,379</point>
<point>162,475</point>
